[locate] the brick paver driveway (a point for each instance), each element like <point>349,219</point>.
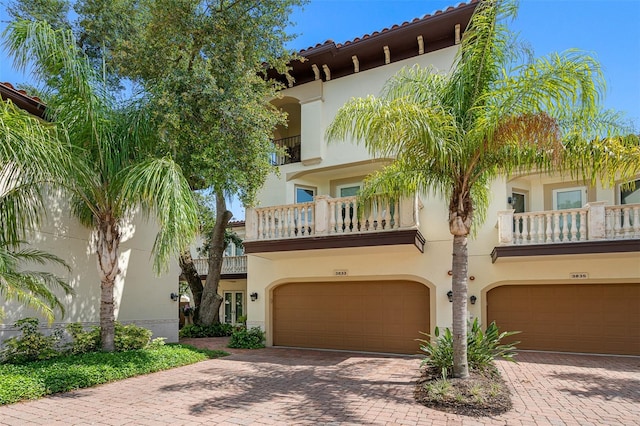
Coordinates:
<point>287,386</point>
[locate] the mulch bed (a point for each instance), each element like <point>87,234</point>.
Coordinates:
<point>482,394</point>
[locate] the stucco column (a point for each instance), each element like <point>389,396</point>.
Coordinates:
<point>596,220</point>
<point>322,214</point>
<point>250,225</point>
<point>408,212</point>
<point>505,227</point>
<point>311,132</point>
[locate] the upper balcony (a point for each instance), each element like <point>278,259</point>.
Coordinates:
<point>328,222</point>
<point>292,148</point>
<point>593,228</point>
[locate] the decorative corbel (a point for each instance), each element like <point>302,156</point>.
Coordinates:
<point>316,71</point>
<point>327,71</point>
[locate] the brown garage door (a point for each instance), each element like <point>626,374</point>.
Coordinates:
<point>593,318</point>
<point>363,316</point>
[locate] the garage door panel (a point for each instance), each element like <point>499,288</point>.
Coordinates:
<point>368,316</point>
<point>595,318</point>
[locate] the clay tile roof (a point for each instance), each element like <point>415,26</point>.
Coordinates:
<point>436,30</point>
<point>21,99</point>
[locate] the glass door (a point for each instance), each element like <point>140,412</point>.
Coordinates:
<point>569,198</point>
<point>233,306</point>
<point>350,190</point>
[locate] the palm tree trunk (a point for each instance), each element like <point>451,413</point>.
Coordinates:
<point>459,286</point>
<point>211,300</point>
<point>108,242</point>
<point>190,273</point>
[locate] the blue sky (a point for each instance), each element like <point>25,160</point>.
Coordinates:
<point>607,29</point>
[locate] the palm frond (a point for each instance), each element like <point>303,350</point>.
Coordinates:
<point>158,186</point>
<point>32,288</point>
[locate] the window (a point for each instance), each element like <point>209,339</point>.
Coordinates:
<point>305,194</point>
<point>348,190</point>
<point>630,194</point>
<point>569,198</point>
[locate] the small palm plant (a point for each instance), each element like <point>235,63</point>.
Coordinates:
<point>482,348</point>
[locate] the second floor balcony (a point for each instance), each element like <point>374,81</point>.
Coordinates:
<point>593,228</point>
<point>231,266</point>
<point>328,222</point>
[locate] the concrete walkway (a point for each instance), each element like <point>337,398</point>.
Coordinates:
<point>287,386</point>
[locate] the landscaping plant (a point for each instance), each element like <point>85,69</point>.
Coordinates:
<point>36,379</point>
<point>483,348</point>
<point>243,338</point>
<point>31,345</point>
<point>214,330</point>
<point>483,392</point>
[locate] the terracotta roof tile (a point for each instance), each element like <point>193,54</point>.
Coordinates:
<point>384,30</point>
<point>21,99</point>
<point>22,92</point>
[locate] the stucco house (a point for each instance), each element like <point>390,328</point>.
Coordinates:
<point>141,297</point>
<point>556,259</point>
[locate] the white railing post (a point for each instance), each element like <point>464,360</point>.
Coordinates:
<point>596,219</point>
<point>505,227</point>
<point>321,214</point>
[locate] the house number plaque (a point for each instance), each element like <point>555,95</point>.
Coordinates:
<point>340,272</point>
<point>579,275</point>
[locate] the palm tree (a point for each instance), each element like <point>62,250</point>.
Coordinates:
<point>31,155</point>
<point>114,173</point>
<point>491,115</point>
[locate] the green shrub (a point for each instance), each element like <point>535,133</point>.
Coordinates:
<point>126,338</point>
<point>83,341</point>
<point>215,330</point>
<point>131,337</point>
<point>31,345</point>
<point>482,348</point>
<point>39,378</point>
<point>247,339</point>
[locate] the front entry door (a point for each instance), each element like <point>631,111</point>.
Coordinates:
<point>233,306</point>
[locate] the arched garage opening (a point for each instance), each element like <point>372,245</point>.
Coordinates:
<point>374,316</point>
<point>590,318</point>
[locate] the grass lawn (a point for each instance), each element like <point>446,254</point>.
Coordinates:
<point>40,378</point>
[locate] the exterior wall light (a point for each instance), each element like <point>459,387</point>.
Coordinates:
<point>174,296</point>
<point>473,300</point>
<point>254,296</point>
<point>450,295</point>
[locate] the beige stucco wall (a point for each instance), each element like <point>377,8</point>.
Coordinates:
<point>141,296</point>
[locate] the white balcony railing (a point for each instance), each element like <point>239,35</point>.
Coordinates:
<point>594,221</point>
<point>230,265</point>
<point>331,216</point>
